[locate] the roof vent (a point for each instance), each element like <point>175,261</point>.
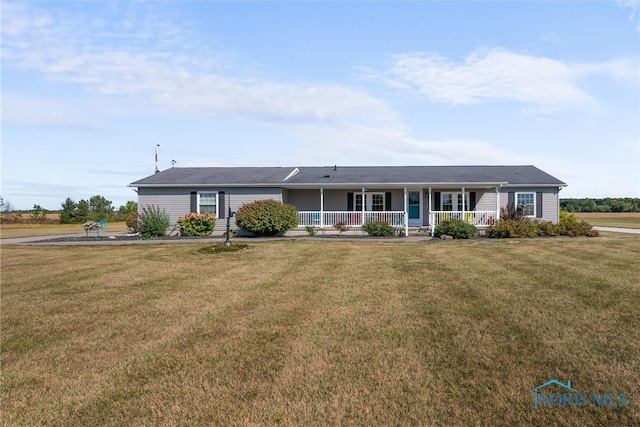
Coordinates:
<point>293,173</point>
<point>327,176</point>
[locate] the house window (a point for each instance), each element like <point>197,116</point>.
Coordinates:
<point>208,202</point>
<point>447,202</point>
<point>372,201</point>
<point>377,202</point>
<point>453,201</point>
<point>526,202</point>
<point>358,203</point>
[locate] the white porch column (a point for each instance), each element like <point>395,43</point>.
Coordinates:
<point>321,207</point>
<point>430,214</point>
<point>463,200</point>
<point>406,215</point>
<point>364,207</point>
<point>495,220</point>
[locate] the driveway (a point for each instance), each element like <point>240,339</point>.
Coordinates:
<point>619,230</point>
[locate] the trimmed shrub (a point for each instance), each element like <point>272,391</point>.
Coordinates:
<point>581,228</point>
<point>195,224</point>
<point>267,217</point>
<point>378,228</point>
<point>153,221</point>
<point>548,229</point>
<point>456,228</point>
<point>509,228</point>
<point>569,225</point>
<point>132,221</point>
<point>340,226</point>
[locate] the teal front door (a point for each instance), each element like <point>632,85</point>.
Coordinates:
<point>415,208</point>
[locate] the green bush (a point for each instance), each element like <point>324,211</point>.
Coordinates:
<point>456,228</point>
<point>195,224</point>
<point>267,217</point>
<point>548,229</point>
<point>509,228</point>
<point>378,228</point>
<point>569,225</point>
<point>153,222</point>
<point>566,217</point>
<point>580,228</point>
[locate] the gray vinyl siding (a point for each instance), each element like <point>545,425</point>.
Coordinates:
<point>485,200</point>
<point>176,201</point>
<point>336,200</point>
<point>305,200</point>
<point>550,201</point>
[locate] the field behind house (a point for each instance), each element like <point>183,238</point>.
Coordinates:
<point>611,219</point>
<point>10,231</point>
<point>310,332</point>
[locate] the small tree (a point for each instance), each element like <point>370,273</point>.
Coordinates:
<point>82,213</point>
<point>125,210</point>
<point>38,214</point>
<point>68,213</point>
<point>99,208</point>
<point>267,217</point>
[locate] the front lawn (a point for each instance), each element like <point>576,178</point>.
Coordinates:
<point>310,332</point>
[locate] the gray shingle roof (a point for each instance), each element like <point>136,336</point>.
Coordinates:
<point>343,175</point>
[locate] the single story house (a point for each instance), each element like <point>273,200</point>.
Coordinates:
<point>403,196</point>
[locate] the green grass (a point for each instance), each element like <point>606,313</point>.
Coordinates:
<point>319,332</point>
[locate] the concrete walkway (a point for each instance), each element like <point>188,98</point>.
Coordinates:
<point>48,240</point>
<point>619,230</point>
<point>42,240</point>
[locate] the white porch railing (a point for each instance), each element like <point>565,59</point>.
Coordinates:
<point>477,218</point>
<point>349,218</point>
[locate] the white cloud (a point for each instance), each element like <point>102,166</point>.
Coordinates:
<point>363,145</point>
<point>633,6</point>
<point>499,75</point>
<point>163,66</point>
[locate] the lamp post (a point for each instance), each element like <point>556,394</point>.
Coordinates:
<point>230,214</point>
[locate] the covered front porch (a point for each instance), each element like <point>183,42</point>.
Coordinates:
<point>400,208</point>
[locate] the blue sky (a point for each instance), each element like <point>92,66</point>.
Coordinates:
<point>89,88</point>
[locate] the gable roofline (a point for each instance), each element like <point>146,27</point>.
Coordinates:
<point>351,176</point>
<point>345,184</point>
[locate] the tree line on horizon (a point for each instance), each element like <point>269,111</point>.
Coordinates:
<point>94,209</point>
<point>608,204</point>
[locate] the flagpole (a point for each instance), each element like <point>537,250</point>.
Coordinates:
<point>157,170</point>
